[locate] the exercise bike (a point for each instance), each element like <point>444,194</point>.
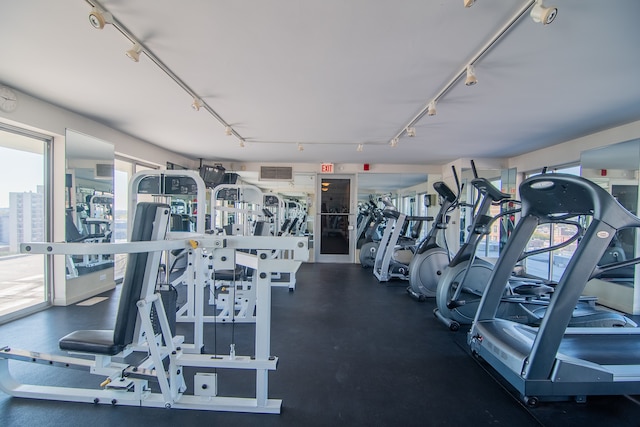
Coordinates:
<point>430,259</point>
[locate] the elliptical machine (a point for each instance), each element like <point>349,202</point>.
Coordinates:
<point>396,249</point>
<point>366,219</point>
<point>369,249</point>
<point>430,259</point>
<point>466,271</point>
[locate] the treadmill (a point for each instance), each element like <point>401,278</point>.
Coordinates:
<point>554,361</point>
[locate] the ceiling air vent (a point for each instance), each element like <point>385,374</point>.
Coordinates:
<point>276,173</point>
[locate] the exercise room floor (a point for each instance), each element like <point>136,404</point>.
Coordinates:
<point>353,352</point>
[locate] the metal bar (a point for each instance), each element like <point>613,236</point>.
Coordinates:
<point>226,362</point>
<point>64,248</point>
<point>122,29</point>
<point>475,58</point>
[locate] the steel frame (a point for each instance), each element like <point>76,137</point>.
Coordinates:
<point>127,384</point>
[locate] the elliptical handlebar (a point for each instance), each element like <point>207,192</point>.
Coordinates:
<point>473,168</point>
<point>484,186</point>
<point>455,176</point>
<point>445,192</point>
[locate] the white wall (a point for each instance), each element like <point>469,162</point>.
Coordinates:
<point>569,151</point>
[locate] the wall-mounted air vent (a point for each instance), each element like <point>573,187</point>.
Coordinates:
<point>276,173</point>
<point>104,171</point>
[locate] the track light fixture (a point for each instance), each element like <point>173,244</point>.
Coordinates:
<point>431,109</point>
<point>134,52</point>
<point>300,147</point>
<point>541,14</point>
<point>538,12</point>
<point>471,76</point>
<point>360,148</point>
<point>228,131</point>
<point>98,18</point>
<point>394,142</point>
<point>197,104</point>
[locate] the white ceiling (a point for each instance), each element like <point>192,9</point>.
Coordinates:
<point>332,74</point>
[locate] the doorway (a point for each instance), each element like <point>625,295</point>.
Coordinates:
<point>335,226</point>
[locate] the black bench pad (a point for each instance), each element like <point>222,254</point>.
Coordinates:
<point>91,341</point>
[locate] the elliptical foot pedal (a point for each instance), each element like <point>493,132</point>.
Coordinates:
<point>416,296</point>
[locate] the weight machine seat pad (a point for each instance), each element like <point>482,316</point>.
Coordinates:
<point>111,342</point>
<point>91,341</point>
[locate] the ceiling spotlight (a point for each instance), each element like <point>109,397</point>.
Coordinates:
<point>196,104</point>
<point>544,15</point>
<point>431,110</point>
<point>411,131</point>
<point>242,143</point>
<point>469,3</point>
<point>360,148</point>
<point>300,147</point>
<point>471,76</point>
<point>98,18</point>
<point>134,52</point>
<point>228,131</point>
<point>394,142</point>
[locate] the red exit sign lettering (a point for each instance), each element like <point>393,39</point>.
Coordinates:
<point>326,167</point>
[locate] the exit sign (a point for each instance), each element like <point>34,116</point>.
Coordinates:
<point>326,167</point>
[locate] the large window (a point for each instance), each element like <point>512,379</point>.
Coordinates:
<point>24,209</point>
<point>551,265</point>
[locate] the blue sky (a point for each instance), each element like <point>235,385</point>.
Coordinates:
<point>20,171</point>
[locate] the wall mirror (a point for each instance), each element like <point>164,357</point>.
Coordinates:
<point>615,168</point>
<point>88,199</point>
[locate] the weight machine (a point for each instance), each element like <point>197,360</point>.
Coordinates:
<point>241,209</point>
<point>104,352</point>
<point>236,208</point>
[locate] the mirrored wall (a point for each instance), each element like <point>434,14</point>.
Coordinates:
<point>616,169</point>
<point>88,202</point>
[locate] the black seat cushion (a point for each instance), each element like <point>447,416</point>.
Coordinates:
<point>91,341</point>
<point>111,342</point>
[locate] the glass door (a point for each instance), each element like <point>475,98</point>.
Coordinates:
<point>24,208</point>
<point>336,219</point>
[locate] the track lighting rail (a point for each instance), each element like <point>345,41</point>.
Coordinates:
<point>161,65</point>
<point>463,71</point>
